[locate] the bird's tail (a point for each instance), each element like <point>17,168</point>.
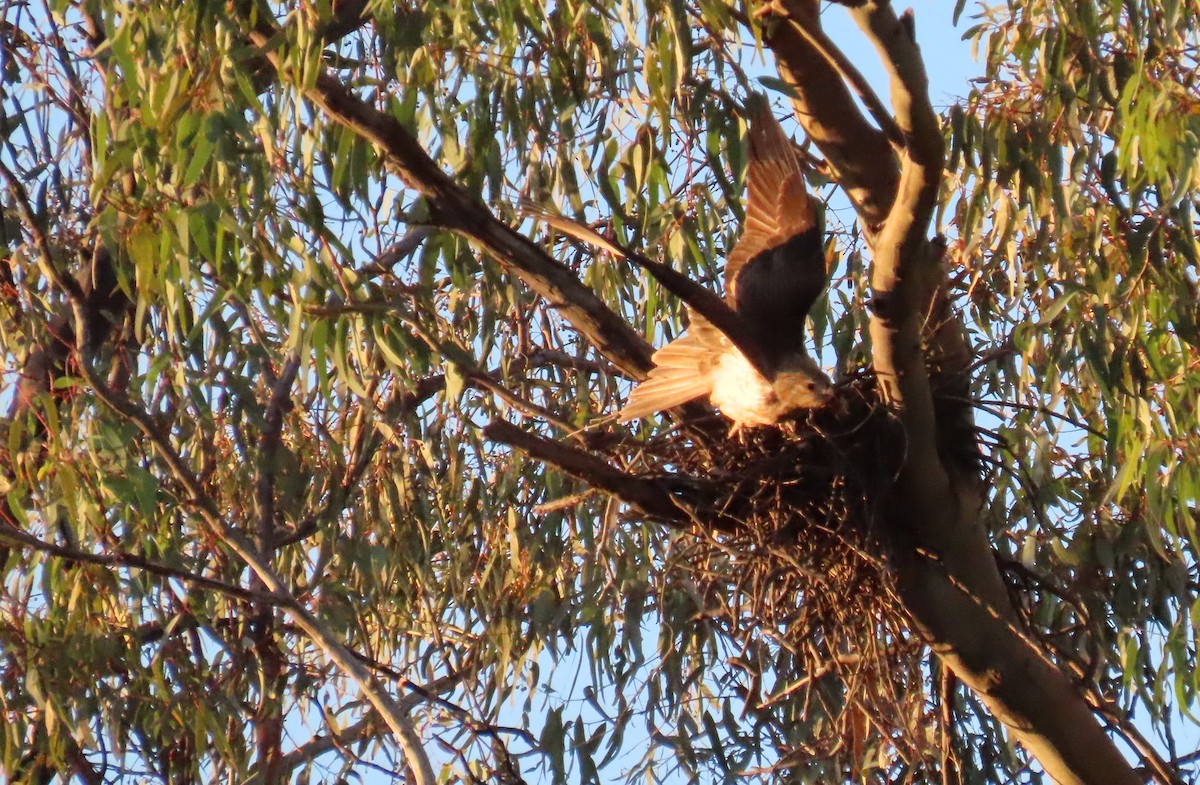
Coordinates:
<point>682,372</point>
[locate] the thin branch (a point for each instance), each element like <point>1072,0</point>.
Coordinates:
<point>366,727</point>
<point>540,357</point>
<point>565,502</point>
<point>83,117</point>
<point>1162,771</point>
<point>393,714</point>
<point>484,381</point>
<point>396,252</point>
<point>16,537</point>
<point>364,452</point>
<point>479,378</point>
<point>674,503</point>
<point>1028,407</point>
<point>1187,759</point>
<point>481,728</point>
<point>80,765</point>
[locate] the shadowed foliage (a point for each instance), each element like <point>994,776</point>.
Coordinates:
<point>311,464</point>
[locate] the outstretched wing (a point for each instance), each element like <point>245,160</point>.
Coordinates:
<point>778,205</point>
<point>682,371</point>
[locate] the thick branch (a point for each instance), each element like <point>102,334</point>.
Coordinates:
<point>859,153</point>
<point>815,35</point>
<point>645,494</point>
<point>656,498</point>
<point>452,206</point>
<point>1031,696</point>
<point>943,563</point>
<point>941,556</point>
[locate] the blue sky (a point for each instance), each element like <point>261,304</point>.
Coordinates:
<point>947,58</point>
<point>951,67</point>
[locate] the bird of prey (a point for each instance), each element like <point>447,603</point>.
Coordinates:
<point>772,278</point>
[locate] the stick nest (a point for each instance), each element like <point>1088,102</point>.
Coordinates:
<point>784,549</point>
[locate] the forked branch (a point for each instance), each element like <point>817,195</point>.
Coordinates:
<point>860,154</point>
<point>941,558</point>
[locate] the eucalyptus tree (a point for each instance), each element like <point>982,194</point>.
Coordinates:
<point>312,466</point>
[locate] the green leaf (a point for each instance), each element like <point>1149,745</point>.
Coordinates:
<point>200,155</point>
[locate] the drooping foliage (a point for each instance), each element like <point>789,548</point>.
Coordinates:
<point>301,352</point>
<point>1074,210</point>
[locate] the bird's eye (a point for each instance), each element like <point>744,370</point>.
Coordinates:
<point>812,385</point>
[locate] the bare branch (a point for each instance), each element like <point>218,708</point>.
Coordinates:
<point>815,36</point>
<point>366,727</point>
<point>1162,771</point>
<point>585,466</point>
<point>484,381</point>
<point>18,538</point>
<point>859,154</point>
<point>906,268</point>
<point>396,252</point>
<point>670,503</point>
<point>82,115</point>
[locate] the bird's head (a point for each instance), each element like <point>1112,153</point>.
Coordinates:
<point>801,384</point>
